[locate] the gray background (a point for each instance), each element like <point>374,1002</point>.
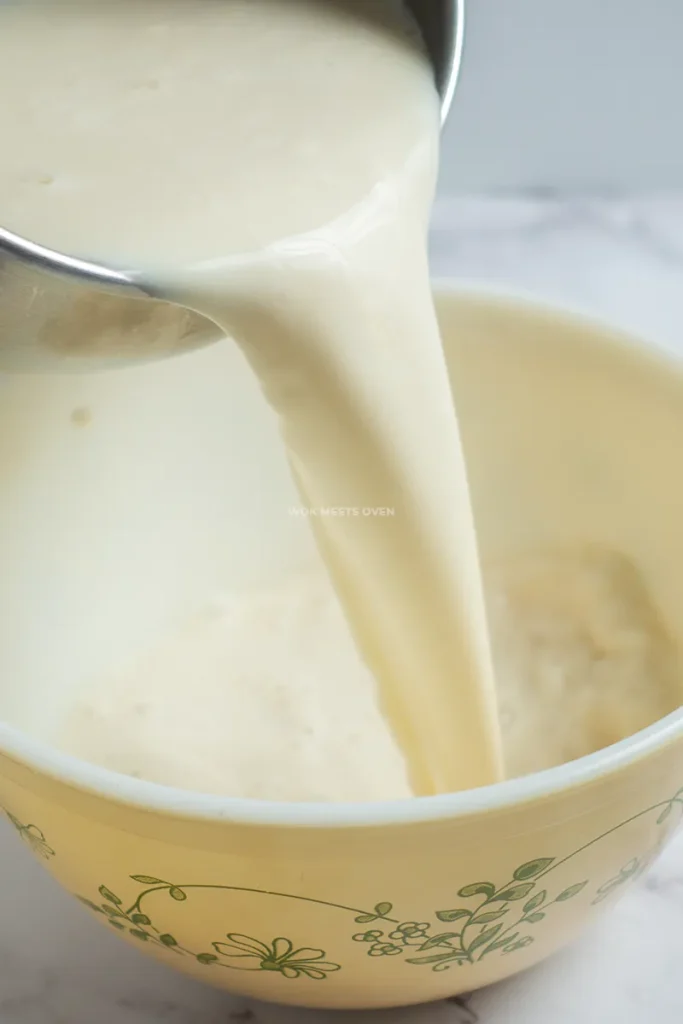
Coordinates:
<point>577,94</point>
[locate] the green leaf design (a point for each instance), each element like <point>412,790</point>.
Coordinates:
<point>137,934</point>
<point>140,919</point>
<point>116,924</point>
<point>168,940</point>
<point>532,868</point>
<point>533,918</point>
<point>437,959</point>
<point>477,888</point>
<point>664,814</point>
<point>514,892</point>
<point>177,894</point>
<point>627,872</point>
<point>572,891</point>
<point>452,915</point>
<point>113,911</point>
<point>486,936</point>
<point>108,895</point>
<point>33,836</point>
<point>147,880</point>
<point>381,910</point>
<point>90,904</point>
<point>436,940</point>
<point>499,943</point>
<point>207,958</point>
<point>490,915</point>
<point>535,901</point>
<point>526,940</point>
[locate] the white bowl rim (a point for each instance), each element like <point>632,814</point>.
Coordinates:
<point>121,789</point>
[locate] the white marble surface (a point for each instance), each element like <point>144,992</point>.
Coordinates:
<point>619,258</point>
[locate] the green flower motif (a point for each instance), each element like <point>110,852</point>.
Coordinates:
<point>33,837</point>
<point>279,956</point>
<point>384,949</point>
<point>410,930</point>
<point>494,917</point>
<point>371,936</point>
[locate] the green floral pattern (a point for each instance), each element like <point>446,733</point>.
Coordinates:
<point>487,918</point>
<point>33,837</point>
<point>476,929</point>
<point>279,956</point>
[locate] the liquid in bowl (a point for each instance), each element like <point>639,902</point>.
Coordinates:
<point>221,873</point>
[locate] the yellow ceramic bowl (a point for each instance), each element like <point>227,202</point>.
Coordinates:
<point>119,512</point>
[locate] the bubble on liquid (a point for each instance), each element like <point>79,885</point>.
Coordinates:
<point>81,416</point>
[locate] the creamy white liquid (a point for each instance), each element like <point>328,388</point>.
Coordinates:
<point>282,706</point>
<point>272,163</point>
<point>582,656</point>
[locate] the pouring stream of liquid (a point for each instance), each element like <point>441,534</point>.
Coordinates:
<point>272,165</point>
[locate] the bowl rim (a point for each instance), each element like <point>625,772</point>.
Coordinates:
<point>41,757</point>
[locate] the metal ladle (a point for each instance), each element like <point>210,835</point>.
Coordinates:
<point>60,313</point>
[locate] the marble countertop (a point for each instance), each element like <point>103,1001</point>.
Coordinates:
<point>620,258</point>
